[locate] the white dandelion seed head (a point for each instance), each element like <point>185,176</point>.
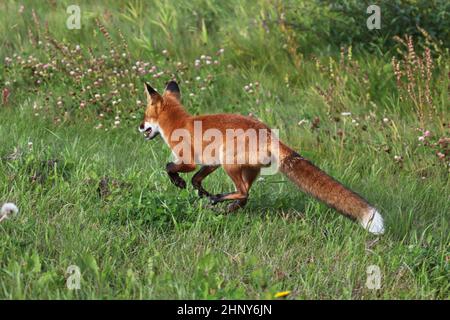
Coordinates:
<point>8,209</point>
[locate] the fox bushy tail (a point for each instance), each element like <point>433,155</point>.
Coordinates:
<point>320,185</point>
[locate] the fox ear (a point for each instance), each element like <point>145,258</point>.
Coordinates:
<point>173,89</point>
<point>152,94</point>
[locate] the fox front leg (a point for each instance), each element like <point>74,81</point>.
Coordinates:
<point>172,170</point>
<point>198,178</point>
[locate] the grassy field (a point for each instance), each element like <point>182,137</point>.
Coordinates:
<point>92,193</point>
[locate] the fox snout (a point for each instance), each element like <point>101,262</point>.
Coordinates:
<point>145,127</point>
<point>150,131</point>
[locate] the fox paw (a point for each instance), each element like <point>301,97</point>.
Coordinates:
<point>203,193</point>
<point>236,205</point>
<point>178,181</point>
<point>214,199</point>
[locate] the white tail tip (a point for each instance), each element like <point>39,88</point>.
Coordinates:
<point>373,222</point>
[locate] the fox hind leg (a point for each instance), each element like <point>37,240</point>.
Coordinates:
<point>248,174</point>
<point>243,178</point>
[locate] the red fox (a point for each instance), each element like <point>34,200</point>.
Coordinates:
<point>165,115</point>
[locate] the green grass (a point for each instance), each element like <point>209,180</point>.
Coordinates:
<point>100,199</point>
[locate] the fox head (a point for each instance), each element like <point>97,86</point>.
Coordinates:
<point>156,106</point>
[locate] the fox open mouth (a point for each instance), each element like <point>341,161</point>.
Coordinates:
<point>149,134</point>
